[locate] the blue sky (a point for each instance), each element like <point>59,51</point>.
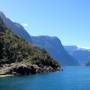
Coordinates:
<point>67,19</point>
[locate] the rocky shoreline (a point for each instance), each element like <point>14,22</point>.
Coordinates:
<point>24,69</point>
<point>18,57</point>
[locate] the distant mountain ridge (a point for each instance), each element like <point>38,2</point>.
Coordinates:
<point>54,47</point>
<point>51,44</point>
<point>81,54</point>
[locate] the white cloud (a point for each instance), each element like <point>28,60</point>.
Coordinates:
<point>12,20</point>
<point>26,26</point>
<point>86,47</point>
<point>83,47</point>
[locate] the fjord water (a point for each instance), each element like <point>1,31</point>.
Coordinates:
<point>71,78</point>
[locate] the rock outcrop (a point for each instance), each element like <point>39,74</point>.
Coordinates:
<point>14,49</point>
<point>24,69</point>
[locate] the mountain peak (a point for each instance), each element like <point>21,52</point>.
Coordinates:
<point>15,28</point>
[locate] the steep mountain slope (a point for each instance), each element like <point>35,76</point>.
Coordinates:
<point>15,50</point>
<point>54,47</point>
<point>81,54</point>
<point>16,28</point>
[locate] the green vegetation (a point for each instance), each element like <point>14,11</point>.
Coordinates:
<point>15,50</point>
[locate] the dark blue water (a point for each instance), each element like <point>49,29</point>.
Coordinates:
<point>72,78</point>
